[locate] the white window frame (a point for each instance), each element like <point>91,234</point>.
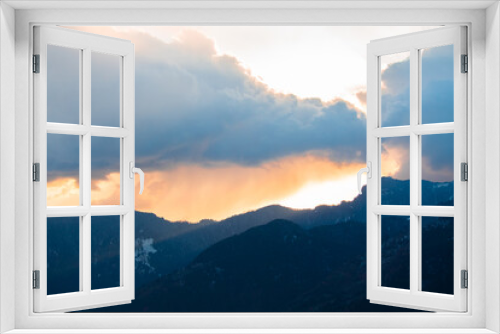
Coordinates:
<point>483,314</point>
<point>414,297</point>
<point>86,44</point>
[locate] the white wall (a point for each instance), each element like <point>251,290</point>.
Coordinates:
<point>7,161</point>
<point>492,165</point>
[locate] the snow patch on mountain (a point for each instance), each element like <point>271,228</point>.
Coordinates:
<point>143,249</point>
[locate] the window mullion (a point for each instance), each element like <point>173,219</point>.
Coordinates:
<point>414,172</point>
<point>80,168</point>
<point>86,180</point>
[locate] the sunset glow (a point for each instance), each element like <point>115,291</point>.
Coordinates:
<point>232,120</point>
<point>393,162</point>
<point>327,193</point>
<point>192,193</point>
<point>63,192</point>
<point>249,140</point>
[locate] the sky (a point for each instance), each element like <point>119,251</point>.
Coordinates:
<point>231,119</point>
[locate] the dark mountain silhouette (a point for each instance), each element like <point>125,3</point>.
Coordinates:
<point>175,252</point>
<point>282,267</point>
<point>270,268</point>
<point>329,248</point>
<point>176,245</point>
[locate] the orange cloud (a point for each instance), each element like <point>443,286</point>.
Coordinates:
<point>195,192</point>
<point>394,162</point>
<point>63,192</point>
<point>106,191</point>
<point>361,96</point>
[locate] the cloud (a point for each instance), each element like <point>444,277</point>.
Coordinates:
<point>437,157</point>
<point>192,192</point>
<point>63,157</point>
<point>63,84</point>
<point>437,85</point>
<point>437,106</point>
<point>437,88</point>
<point>207,107</point>
<point>396,157</point>
<point>105,89</point>
<point>361,96</point>
<point>196,106</point>
<point>395,97</point>
<point>63,191</point>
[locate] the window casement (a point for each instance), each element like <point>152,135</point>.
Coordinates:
<point>415,128</point>
<point>62,44</point>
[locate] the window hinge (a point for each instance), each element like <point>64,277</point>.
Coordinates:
<point>36,279</point>
<point>36,172</point>
<point>36,63</point>
<point>465,279</point>
<point>465,64</point>
<point>464,168</point>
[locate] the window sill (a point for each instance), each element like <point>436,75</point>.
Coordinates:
<point>250,331</point>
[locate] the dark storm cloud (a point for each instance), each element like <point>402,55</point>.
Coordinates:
<point>395,97</point>
<point>240,122</point>
<point>63,156</point>
<point>437,106</point>
<point>195,106</point>
<point>437,85</point>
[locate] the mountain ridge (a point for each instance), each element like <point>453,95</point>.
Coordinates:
<point>163,247</point>
<point>282,267</point>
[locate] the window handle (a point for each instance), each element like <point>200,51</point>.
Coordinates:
<point>368,171</point>
<point>134,170</point>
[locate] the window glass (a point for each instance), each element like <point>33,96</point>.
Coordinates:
<point>437,169</point>
<point>63,84</point>
<point>63,179</point>
<point>106,88</point>
<point>437,97</point>
<point>395,171</point>
<point>105,245</point>
<point>63,255</point>
<point>106,176</point>
<point>395,244</point>
<point>395,89</point>
<point>437,254</point>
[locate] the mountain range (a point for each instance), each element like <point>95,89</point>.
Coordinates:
<point>274,259</point>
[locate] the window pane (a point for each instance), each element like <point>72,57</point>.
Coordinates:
<point>395,251</point>
<point>395,171</point>
<point>63,85</point>
<point>437,170</point>
<point>105,89</point>
<point>105,246</point>
<point>105,171</point>
<point>437,254</point>
<point>63,255</point>
<point>437,84</point>
<point>395,89</point>
<point>63,163</point>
